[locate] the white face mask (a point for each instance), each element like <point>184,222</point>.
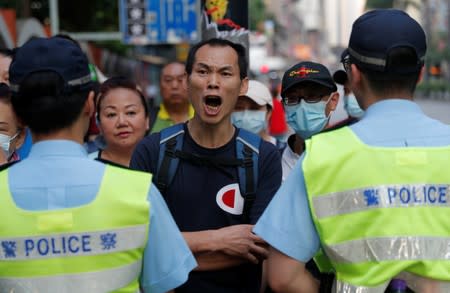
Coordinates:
<point>307,119</point>
<point>5,144</point>
<point>251,120</point>
<point>352,107</point>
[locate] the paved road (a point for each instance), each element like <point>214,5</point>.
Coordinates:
<point>438,109</point>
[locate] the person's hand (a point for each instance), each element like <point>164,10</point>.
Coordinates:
<point>239,240</point>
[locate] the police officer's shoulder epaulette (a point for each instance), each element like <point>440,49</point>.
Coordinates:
<point>7,165</point>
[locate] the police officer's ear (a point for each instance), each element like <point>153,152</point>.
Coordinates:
<point>355,77</point>
<point>421,74</point>
<point>89,105</point>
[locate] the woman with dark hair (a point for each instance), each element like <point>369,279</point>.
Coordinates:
<point>122,118</point>
<point>12,133</point>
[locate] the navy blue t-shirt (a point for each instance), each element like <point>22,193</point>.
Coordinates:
<point>206,197</point>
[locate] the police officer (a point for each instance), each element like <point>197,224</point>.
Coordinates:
<point>74,224</point>
<point>373,195</point>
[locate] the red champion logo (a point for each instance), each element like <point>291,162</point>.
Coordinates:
<point>229,199</point>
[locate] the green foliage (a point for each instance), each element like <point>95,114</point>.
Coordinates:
<point>8,3</point>
<point>372,4</point>
<point>257,13</point>
<point>89,16</point>
<point>437,85</point>
<point>115,46</point>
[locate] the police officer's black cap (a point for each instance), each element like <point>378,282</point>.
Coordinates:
<point>377,32</point>
<point>51,54</point>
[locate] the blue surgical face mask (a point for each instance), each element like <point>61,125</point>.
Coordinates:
<point>307,119</point>
<point>352,107</point>
<point>5,144</point>
<point>251,120</point>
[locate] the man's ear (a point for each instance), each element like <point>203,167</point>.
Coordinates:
<point>147,123</point>
<point>185,80</point>
<point>354,76</point>
<point>334,100</point>
<point>244,87</point>
<point>269,114</point>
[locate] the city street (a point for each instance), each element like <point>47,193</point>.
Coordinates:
<point>439,109</point>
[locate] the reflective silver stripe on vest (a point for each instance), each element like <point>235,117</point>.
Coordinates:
<point>416,283</point>
<point>384,196</point>
<point>342,287</point>
<point>103,281</point>
<point>422,284</point>
<point>390,248</point>
<point>73,244</point>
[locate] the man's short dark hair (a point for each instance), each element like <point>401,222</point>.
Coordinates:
<point>383,83</point>
<point>215,42</point>
<point>44,106</point>
<point>170,63</point>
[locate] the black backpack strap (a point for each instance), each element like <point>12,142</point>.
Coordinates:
<point>247,149</point>
<point>171,140</point>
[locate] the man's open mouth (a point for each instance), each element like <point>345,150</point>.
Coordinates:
<point>212,104</point>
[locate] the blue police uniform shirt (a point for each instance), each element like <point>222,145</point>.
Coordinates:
<point>203,197</point>
<point>58,174</point>
<point>287,223</point>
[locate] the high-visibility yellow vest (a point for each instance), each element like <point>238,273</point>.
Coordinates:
<point>379,211</point>
<point>96,247</point>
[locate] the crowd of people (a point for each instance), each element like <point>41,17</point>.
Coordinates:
<point>198,195</point>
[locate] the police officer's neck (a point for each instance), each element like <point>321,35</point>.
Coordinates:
<point>367,102</point>
<point>56,136</point>
<point>210,135</point>
<point>73,133</point>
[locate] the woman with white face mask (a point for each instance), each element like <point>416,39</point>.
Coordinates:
<point>254,109</point>
<point>12,133</point>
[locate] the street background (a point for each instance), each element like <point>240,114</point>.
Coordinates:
<point>135,38</point>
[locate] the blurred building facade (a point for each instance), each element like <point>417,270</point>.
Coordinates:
<point>315,30</point>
